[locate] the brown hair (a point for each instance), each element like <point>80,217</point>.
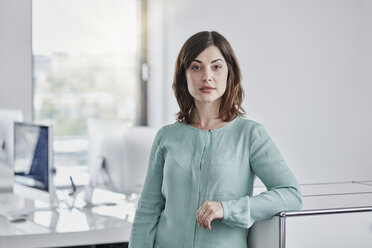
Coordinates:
<point>232,98</point>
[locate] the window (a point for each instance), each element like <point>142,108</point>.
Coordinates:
<point>86,63</point>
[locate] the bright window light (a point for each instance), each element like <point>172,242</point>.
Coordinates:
<point>86,63</point>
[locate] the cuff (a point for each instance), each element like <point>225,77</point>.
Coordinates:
<point>225,210</point>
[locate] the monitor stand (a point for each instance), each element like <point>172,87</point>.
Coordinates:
<point>99,170</point>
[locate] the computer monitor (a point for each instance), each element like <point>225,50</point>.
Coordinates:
<point>118,155</point>
<point>137,148</point>
<point>7,119</point>
<point>33,162</point>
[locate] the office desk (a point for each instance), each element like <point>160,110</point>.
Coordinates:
<point>68,227</point>
<point>333,215</point>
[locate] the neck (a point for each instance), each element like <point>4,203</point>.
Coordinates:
<point>206,115</point>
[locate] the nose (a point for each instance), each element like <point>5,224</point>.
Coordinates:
<point>207,76</point>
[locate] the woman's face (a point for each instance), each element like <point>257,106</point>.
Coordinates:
<point>207,76</point>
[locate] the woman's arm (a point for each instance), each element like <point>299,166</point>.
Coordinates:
<point>151,202</point>
<point>283,193</point>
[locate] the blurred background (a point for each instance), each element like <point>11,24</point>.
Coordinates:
<point>306,66</point>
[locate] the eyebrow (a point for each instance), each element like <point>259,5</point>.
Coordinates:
<point>196,60</point>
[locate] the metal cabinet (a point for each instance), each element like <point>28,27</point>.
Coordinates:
<point>332,216</point>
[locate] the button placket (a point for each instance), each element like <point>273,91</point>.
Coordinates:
<point>202,165</point>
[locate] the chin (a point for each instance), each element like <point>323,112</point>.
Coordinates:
<point>207,99</point>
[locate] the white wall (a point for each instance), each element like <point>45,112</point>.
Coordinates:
<point>156,44</point>
<point>367,80</point>
<point>16,56</point>
<point>305,64</point>
<point>15,65</point>
<point>306,69</point>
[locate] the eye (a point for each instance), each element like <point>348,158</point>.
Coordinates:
<point>195,67</point>
<point>217,67</point>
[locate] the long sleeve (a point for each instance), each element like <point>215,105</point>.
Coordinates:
<point>283,193</point>
<point>151,202</point>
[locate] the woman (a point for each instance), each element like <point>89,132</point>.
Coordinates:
<point>199,183</point>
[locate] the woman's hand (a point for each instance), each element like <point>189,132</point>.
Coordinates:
<point>207,212</point>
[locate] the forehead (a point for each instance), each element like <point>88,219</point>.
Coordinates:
<point>209,54</point>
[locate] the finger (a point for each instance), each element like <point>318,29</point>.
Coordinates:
<point>203,210</point>
<point>205,215</point>
<point>198,215</point>
<point>205,220</point>
<point>208,220</point>
<point>200,210</point>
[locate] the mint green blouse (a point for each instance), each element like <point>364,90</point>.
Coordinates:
<point>189,166</point>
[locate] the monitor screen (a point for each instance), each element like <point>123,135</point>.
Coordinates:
<point>31,156</point>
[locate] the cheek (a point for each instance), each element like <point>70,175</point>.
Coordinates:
<point>222,80</point>
<point>190,83</point>
<point>191,80</point>
<point>222,89</point>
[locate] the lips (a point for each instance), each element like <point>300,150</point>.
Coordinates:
<point>207,89</point>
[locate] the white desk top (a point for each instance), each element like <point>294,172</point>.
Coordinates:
<point>68,227</point>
